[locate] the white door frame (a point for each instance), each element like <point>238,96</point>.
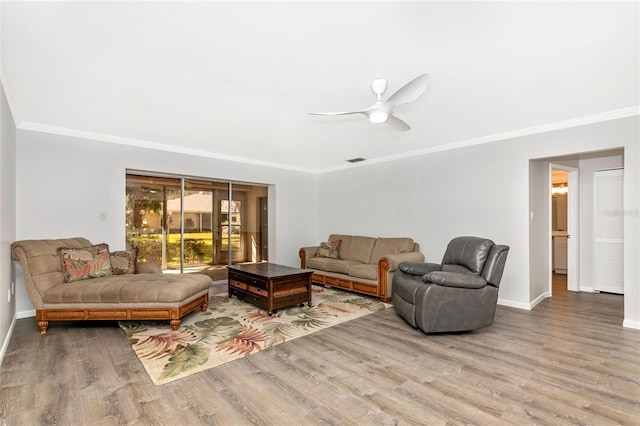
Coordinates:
<point>573,227</point>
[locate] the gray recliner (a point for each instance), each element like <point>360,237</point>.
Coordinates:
<point>458,295</point>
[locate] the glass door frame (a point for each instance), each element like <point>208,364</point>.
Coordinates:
<point>188,183</point>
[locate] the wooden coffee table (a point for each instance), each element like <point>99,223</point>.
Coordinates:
<point>270,286</point>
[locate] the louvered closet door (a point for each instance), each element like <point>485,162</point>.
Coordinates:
<point>609,242</point>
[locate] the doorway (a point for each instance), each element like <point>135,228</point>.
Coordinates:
<point>564,219</point>
<point>540,227</point>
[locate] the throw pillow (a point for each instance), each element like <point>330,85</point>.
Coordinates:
<point>123,261</point>
<point>329,249</point>
<point>84,263</point>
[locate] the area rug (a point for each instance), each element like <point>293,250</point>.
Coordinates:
<point>232,329</point>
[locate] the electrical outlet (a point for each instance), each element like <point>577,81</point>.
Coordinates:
<point>9,298</point>
<point>13,287</point>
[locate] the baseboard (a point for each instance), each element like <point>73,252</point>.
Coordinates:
<point>539,299</point>
<point>520,305</point>
<point>7,338</point>
<point>26,314</point>
<point>631,324</point>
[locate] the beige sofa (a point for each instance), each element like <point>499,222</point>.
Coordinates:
<point>362,264</point>
<point>145,294</point>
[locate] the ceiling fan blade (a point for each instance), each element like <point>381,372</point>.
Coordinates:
<point>410,91</point>
<point>339,113</point>
<point>397,125</point>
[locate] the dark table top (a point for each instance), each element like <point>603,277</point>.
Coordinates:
<point>267,269</point>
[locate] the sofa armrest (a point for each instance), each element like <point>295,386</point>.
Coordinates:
<point>454,279</point>
<point>148,268</point>
<point>394,260</point>
<point>306,253</point>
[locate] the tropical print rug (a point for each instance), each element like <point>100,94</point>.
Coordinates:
<point>231,329</point>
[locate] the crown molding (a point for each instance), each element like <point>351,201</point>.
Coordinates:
<point>63,131</point>
<point>559,125</point>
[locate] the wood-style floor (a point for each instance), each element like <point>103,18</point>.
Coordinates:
<point>569,361</point>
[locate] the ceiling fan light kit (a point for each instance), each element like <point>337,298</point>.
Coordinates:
<point>382,112</point>
<point>378,117</point>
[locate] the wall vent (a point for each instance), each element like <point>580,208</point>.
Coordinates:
<point>356,160</point>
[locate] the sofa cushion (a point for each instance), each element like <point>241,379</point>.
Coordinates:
<point>367,271</point>
<point>84,263</point>
<point>157,288</point>
<point>385,246</point>
<point>361,249</point>
<point>345,244</point>
<point>332,265</point>
<point>329,249</point>
<point>123,261</point>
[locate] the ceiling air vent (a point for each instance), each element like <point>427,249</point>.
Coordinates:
<point>356,160</point>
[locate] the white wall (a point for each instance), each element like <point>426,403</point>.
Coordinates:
<point>481,190</point>
<point>7,219</point>
<point>65,184</point>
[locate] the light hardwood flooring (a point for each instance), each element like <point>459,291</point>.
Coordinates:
<point>568,361</point>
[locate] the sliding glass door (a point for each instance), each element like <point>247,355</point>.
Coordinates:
<point>196,225</point>
<point>153,219</point>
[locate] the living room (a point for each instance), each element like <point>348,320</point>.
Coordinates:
<point>67,178</point>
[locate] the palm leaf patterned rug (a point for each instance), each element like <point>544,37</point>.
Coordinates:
<point>232,329</point>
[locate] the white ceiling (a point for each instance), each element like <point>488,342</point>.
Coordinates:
<point>236,79</point>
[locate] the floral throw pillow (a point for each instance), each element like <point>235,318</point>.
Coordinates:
<point>84,263</point>
<point>123,262</point>
<point>329,249</point>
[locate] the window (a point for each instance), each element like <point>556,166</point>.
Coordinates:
<point>195,225</point>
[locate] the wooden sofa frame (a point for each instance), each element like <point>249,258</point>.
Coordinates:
<point>174,315</point>
<point>350,283</point>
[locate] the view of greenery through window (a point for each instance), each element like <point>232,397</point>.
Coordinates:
<point>208,224</point>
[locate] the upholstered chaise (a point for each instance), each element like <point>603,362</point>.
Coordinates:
<point>116,296</point>
<point>458,295</point>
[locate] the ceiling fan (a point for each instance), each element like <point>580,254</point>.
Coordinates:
<point>382,111</point>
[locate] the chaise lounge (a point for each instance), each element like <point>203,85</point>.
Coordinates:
<point>61,290</point>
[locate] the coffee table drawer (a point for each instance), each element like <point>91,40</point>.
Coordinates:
<point>247,280</point>
<point>254,282</point>
<point>257,290</point>
<point>237,284</point>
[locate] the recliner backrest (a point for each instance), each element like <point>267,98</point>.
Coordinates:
<point>470,252</point>
<point>494,266</point>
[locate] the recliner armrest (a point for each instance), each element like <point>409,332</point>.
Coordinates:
<point>418,268</point>
<point>454,279</point>
<point>395,260</point>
